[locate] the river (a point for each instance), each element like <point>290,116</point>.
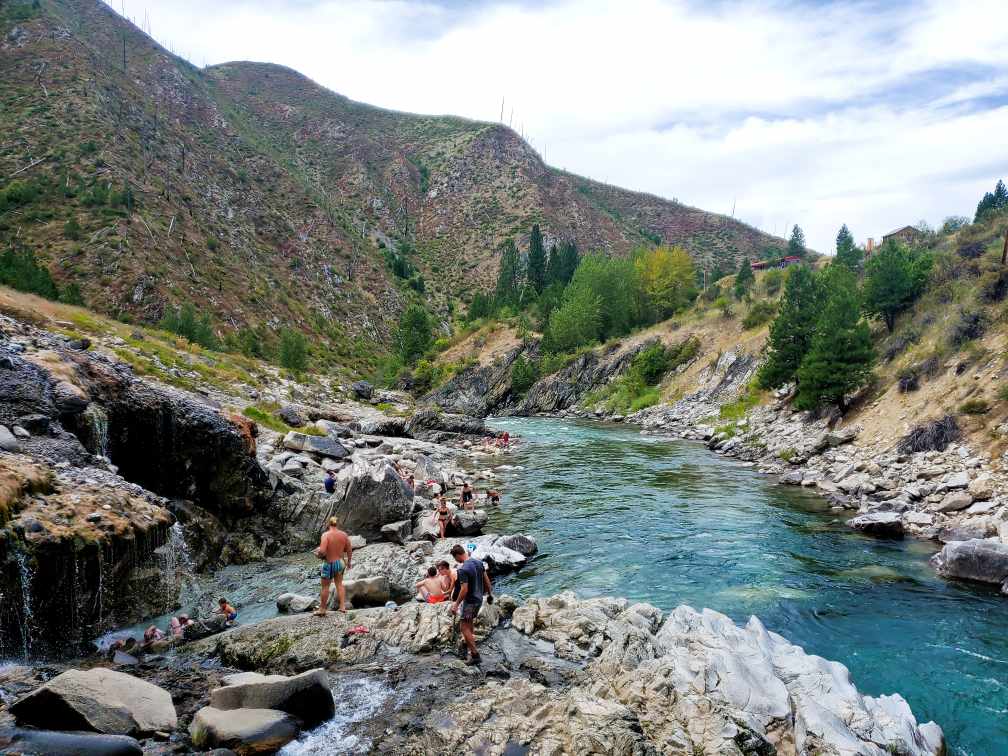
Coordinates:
<point>669,522</point>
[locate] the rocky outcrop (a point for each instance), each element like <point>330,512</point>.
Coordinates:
<point>305,696</point>
<point>98,700</point>
<point>432,424</point>
<point>984,561</point>
<point>51,743</point>
<point>881,524</point>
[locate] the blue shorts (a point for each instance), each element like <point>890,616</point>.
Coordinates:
<point>232,616</point>
<point>330,570</point>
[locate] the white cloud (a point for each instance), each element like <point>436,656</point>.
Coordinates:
<point>862,112</point>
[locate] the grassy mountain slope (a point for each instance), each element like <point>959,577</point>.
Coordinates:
<point>267,200</point>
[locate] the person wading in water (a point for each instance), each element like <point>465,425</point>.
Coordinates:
<point>334,546</point>
<point>474,584</point>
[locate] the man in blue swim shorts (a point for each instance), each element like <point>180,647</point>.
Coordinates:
<point>335,552</point>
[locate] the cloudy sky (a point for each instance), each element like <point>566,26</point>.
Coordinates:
<point>875,114</point>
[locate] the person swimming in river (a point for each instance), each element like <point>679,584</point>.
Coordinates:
<point>493,497</point>
<point>432,587</point>
<point>229,612</point>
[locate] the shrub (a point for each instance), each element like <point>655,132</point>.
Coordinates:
<point>212,243</point>
<point>71,295</point>
<point>651,363</point>
<point>523,375</point>
<point>20,270</point>
<point>18,193</point>
<point>761,312</point>
<point>293,350</point>
<point>971,250</point>
<point>724,305</point>
<point>772,281</point>
<point>897,343</point>
<point>968,325</point>
<point>1002,393</point>
<point>993,286</point>
<point>933,436</point>
<point>183,322</point>
<point>908,381</point>
<point>72,230</point>
<point>974,407</point>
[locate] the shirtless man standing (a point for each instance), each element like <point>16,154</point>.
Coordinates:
<point>334,546</point>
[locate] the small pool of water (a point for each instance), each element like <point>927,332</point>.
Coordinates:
<point>669,522</point>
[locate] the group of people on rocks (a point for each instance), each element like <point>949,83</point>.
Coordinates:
<point>177,625</point>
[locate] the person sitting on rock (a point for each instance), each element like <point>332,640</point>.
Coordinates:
<point>431,587</point>
<point>152,634</point>
<point>229,612</point>
<point>474,584</point>
<point>466,498</point>
<point>447,577</point>
<point>329,482</point>
<point>179,624</point>
<point>335,552</point>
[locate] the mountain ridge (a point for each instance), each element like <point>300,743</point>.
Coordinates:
<point>269,200</point>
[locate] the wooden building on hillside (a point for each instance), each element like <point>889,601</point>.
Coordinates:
<point>907,235</point>
<point>780,262</point>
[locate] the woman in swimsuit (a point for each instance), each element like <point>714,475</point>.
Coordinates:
<point>442,514</point>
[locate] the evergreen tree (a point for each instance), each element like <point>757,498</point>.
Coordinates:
<point>506,293</point>
<point>536,268</point>
<point>894,278</point>
<point>792,329</point>
<point>570,258</point>
<point>414,334</point>
<point>992,202</point>
<point>480,306</point>
<point>840,356</point>
<point>796,244</point>
<point>553,266</point>
<point>744,279</point>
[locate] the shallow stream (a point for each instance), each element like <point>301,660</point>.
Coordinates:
<point>670,522</point>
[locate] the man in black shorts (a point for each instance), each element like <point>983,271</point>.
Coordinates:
<point>474,584</point>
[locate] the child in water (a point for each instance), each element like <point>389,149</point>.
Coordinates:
<point>227,610</point>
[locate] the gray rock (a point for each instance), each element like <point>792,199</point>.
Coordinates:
<point>985,561</point>
<point>244,731</point>
<point>49,743</point>
<point>956,480</point>
<point>962,533</point>
<point>982,488</point>
<point>880,524</point>
<point>793,478</point>
<point>306,696</point>
<point>35,423</point>
<point>468,522</point>
<point>291,416</point>
<point>373,496</point>
<point>69,399</point>
<point>363,389</point>
<point>294,603</point>
<point>323,445</point>
<point>98,699</point>
<point>368,591</point>
<point>8,442</point>
<point>20,432</point>
<point>841,436</point>
<point>397,532</point>
<point>954,501</point>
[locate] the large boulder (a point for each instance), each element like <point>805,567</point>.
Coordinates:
<point>99,700</point>
<point>291,416</point>
<point>985,561</point>
<point>841,436</point>
<point>954,501</point>
<point>397,532</point>
<point>362,389</point>
<point>306,696</point>
<point>368,591</point>
<point>880,524</point>
<point>373,496</point>
<point>468,522</point>
<point>245,731</point>
<point>427,470</point>
<point>383,426</point>
<point>322,445</point>
<point>294,603</point>
<point>8,441</point>
<point>49,743</point>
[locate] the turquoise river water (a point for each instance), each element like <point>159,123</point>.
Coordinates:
<point>670,522</point>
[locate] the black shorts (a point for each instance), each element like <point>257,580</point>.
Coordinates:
<point>469,611</point>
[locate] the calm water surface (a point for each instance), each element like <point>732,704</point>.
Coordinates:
<point>669,522</point>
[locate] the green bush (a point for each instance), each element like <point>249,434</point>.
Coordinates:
<point>293,350</point>
<point>736,410</point>
<point>71,295</point>
<point>759,313</point>
<point>523,374</point>
<point>184,322</point>
<point>974,407</point>
<point>772,281</point>
<point>72,230</point>
<point>20,270</point>
<point>18,193</point>
<point>212,243</point>
<point>651,363</point>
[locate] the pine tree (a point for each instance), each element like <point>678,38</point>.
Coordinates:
<point>792,329</point>
<point>894,278</point>
<point>840,356</point>
<point>570,258</point>
<point>506,293</point>
<point>536,268</point>
<point>413,336</point>
<point>796,244</point>
<point>744,279</point>
<point>847,252</point>
<point>553,263</point>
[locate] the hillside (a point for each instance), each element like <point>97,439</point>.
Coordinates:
<point>267,200</point>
